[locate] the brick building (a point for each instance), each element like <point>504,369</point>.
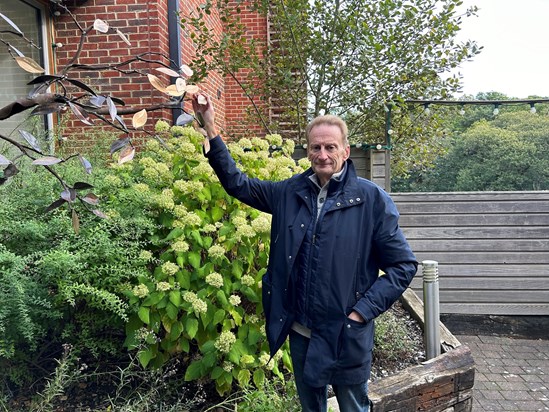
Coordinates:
<point>152,30</point>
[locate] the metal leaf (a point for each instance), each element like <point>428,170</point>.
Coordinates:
<point>68,195</point>
<point>29,65</point>
<point>121,121</point>
<point>11,23</point>
<point>119,144</point>
<point>123,37</point>
<point>83,86</point>
<point>101,26</point>
<point>75,222</point>
<point>31,140</point>
<point>112,108</point>
<point>86,164</point>
<point>97,101</point>
<point>172,90</point>
<point>184,119</point>
<point>47,108</point>
<point>99,213</point>
<point>186,70</point>
<point>139,119</point>
<point>82,185</point>
<point>156,83</point>
<point>4,161</point>
<point>47,161</point>
<point>59,202</point>
<point>126,155</point>
<point>16,50</point>
<point>81,114</point>
<point>10,170</point>
<point>45,78</point>
<point>91,199</point>
<point>118,101</point>
<point>167,71</point>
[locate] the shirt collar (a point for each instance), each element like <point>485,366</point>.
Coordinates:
<point>336,176</point>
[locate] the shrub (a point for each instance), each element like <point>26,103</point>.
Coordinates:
<point>57,286</point>
<point>209,251</point>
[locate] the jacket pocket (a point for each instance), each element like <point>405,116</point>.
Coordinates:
<point>356,343</point>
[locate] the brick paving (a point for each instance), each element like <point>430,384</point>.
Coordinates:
<point>511,374</point>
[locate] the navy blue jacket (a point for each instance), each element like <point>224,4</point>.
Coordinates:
<point>356,237</point>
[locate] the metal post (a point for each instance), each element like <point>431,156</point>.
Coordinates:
<point>431,309</point>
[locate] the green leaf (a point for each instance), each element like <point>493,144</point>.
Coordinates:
<point>153,299</point>
<point>259,378</point>
<point>184,279</point>
<point>209,359</point>
<point>144,314</point>
<point>194,371</point>
<point>175,297</point>
<point>145,356</point>
<point>244,377</point>
<point>237,268</point>
<point>217,213</point>
<point>194,259</point>
<point>221,298</point>
<point>176,330</point>
<point>191,327</point>
<point>172,311</point>
<point>216,372</point>
<point>219,316</point>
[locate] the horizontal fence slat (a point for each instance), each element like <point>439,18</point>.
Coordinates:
<point>491,284</point>
<point>484,232</point>
<point>495,309</point>
<point>495,258</point>
<point>471,245</point>
<point>428,208</point>
<point>475,220</point>
<point>498,271</point>
<point>468,196</point>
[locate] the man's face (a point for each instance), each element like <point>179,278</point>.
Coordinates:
<point>326,151</point>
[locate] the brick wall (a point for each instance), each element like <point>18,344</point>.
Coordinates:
<point>145,24</point>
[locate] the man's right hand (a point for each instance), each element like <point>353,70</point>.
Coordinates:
<point>204,110</point>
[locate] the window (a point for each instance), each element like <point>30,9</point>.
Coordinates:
<point>29,16</point>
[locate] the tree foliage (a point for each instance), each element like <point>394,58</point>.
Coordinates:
<point>510,152</point>
<point>347,57</point>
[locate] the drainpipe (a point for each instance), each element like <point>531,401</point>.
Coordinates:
<point>174,42</point>
<point>431,309</point>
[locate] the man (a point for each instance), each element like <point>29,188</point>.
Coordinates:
<point>332,232</point>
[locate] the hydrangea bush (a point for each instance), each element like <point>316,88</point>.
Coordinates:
<point>202,299</point>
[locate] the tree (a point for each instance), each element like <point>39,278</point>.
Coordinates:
<point>510,152</point>
<point>353,58</point>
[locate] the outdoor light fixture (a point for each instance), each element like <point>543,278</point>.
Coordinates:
<point>461,110</point>
<point>532,108</point>
<point>427,110</point>
<point>496,109</point>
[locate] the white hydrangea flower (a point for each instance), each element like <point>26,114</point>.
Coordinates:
<point>247,280</point>
<point>234,300</point>
<point>169,268</point>
<point>180,246</point>
<point>141,291</point>
<point>216,251</point>
<point>163,286</point>
<point>225,341</point>
<point>214,279</point>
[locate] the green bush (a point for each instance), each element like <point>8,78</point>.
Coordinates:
<point>202,297</point>
<point>57,286</point>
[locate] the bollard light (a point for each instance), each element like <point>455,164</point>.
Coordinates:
<point>431,309</point>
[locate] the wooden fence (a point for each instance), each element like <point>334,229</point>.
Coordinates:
<point>492,248</point>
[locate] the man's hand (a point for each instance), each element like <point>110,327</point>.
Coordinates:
<point>354,315</point>
<point>204,110</point>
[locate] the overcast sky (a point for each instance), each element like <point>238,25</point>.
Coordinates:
<point>515,58</point>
